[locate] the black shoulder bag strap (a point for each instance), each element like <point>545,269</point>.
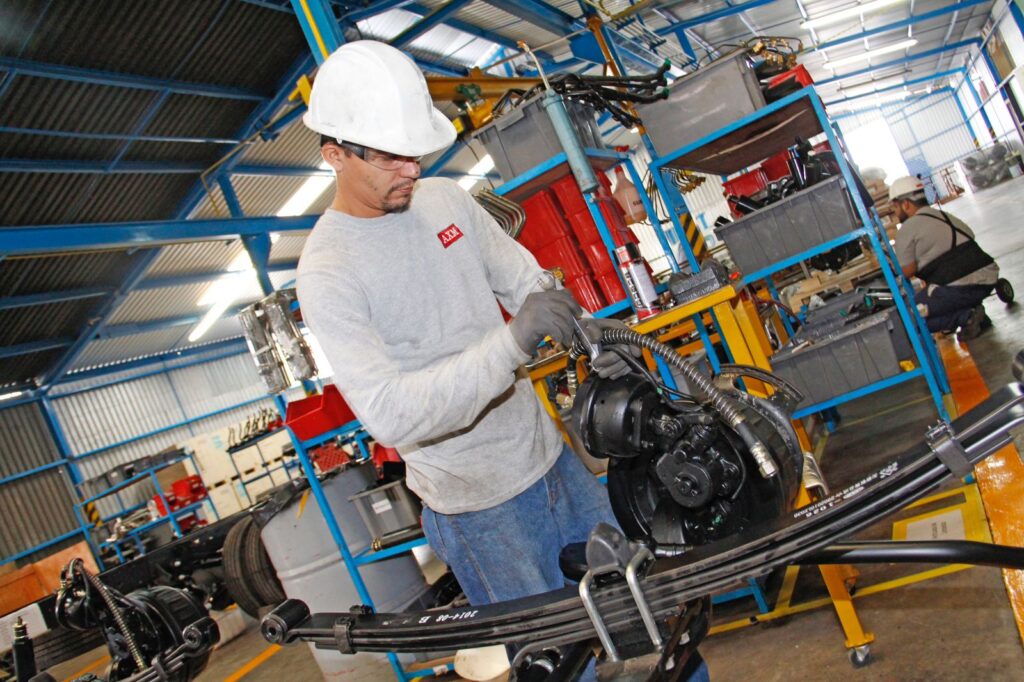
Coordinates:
<point>960,261</point>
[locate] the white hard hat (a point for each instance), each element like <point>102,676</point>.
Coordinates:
<point>373,95</point>
<point>905,188</point>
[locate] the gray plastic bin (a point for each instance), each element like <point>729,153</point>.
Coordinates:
<point>806,219</point>
<point>523,138</point>
<point>851,358</point>
<point>388,508</point>
<point>702,102</point>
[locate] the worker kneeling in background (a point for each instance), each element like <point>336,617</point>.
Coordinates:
<point>398,281</point>
<point>940,250</point>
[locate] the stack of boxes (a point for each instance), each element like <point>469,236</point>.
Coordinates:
<point>561,234</point>
<point>214,464</point>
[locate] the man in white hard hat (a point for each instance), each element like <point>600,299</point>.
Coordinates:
<point>940,250</point>
<point>400,281</point>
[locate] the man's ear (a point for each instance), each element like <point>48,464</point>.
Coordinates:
<point>334,156</point>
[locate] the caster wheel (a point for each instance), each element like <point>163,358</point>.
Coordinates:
<point>1004,290</point>
<point>860,656</point>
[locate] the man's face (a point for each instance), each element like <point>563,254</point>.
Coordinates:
<point>372,183</point>
<point>900,209</point>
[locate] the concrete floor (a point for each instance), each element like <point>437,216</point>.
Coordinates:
<point>954,627</point>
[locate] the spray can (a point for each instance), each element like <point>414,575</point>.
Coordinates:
<point>638,281</point>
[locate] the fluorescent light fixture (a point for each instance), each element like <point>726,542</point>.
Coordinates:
<point>306,194</point>
<point>477,173</point>
<point>857,11</point>
<point>864,56</point>
<point>14,394</point>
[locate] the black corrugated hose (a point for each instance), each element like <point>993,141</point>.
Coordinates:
<point>711,395</point>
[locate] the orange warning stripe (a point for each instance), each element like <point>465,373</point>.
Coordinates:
<point>1000,477</point>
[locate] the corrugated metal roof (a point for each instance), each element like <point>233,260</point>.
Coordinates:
<point>18,371</point>
<point>40,274</point>
<point>288,247</point>
<point>159,304</point>
<point>106,351</point>
<point>182,259</point>
<point>296,146</point>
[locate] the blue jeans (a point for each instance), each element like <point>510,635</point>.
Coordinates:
<point>511,550</point>
<point>949,307</point>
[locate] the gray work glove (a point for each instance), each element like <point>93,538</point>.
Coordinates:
<point>544,313</point>
<point>608,364</point>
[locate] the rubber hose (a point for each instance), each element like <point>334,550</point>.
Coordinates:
<point>718,400</point>
<point>129,638</point>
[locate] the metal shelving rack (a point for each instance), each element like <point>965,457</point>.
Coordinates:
<point>134,534</point>
<point>352,562</point>
<point>770,130</point>
<point>265,470</point>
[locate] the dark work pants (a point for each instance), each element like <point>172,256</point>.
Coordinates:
<point>950,306</point>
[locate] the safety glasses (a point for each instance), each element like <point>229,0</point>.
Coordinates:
<point>385,161</point>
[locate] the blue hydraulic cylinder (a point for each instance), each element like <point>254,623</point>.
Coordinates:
<point>577,158</point>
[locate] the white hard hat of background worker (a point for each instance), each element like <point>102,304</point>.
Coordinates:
<point>906,195</point>
<point>371,94</point>
<point>907,187</point>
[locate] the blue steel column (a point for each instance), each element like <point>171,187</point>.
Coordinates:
<point>319,26</point>
<point>652,215</point>
<point>978,103</point>
<point>906,315</point>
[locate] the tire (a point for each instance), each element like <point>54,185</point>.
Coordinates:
<point>234,568</point>
<point>1004,290</point>
<point>260,573</point>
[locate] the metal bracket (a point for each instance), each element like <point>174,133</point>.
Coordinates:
<point>607,549</point>
<point>943,442</point>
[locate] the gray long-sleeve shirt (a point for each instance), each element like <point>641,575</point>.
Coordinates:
<point>404,308</point>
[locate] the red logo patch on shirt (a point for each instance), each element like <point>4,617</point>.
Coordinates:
<point>449,235</point>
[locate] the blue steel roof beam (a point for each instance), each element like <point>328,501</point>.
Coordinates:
<point>913,81</point>
<point>901,60</point>
<point>913,19</point>
<point>202,277</point>
<point>435,17</point>
<point>36,239</point>
<point>440,69</point>
<point>124,80</point>
<point>99,317</point>
<point>33,347</point>
<point>79,135</point>
<point>48,297</point>
<point>712,16</point>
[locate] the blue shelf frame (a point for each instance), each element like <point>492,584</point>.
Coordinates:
<point>133,535</point>
<point>352,430</point>
<point>265,468</point>
<point>930,366</point>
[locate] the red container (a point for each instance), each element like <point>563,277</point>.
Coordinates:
<point>587,295</point>
<point>544,222</point>
<point>563,254</point>
<point>189,489</point>
<point>798,73</point>
<point>597,256</point>
<point>583,229</point>
<point>318,414</point>
<point>776,167</point>
<point>569,195</point>
<point>611,287</point>
<point>746,185</point>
